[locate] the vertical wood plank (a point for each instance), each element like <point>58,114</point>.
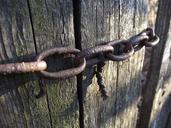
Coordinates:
<point>28,27</point>
<point>103,21</point>
<point>160,109</point>
<point>53,27</point>
<point>17,40</point>
<point>129,71</point>
<point>157,70</point>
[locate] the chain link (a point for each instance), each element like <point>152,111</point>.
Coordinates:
<point>85,58</point>
<point>64,73</point>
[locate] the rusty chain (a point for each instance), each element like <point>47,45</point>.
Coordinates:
<point>86,57</point>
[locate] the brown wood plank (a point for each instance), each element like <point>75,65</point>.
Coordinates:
<point>103,21</point>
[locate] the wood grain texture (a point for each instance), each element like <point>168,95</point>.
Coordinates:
<point>28,27</point>
<point>16,39</point>
<point>161,104</point>
<point>53,26</point>
<point>103,21</point>
<point>158,66</point>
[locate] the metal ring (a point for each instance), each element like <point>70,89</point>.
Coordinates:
<point>152,38</point>
<point>152,41</point>
<point>136,40</point>
<point>64,73</point>
<point>94,50</point>
<point>114,42</point>
<point>122,56</point>
<point>148,31</point>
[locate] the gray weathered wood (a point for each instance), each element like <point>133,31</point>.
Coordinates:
<point>53,25</point>
<point>161,104</point>
<point>103,20</point>
<point>15,32</point>
<point>52,22</point>
<point>30,26</point>
<point>158,66</point>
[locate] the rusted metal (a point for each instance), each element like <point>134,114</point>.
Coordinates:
<point>148,31</point>
<point>135,40</point>
<point>114,42</point>
<point>64,73</point>
<point>100,80</point>
<point>60,50</point>
<point>152,41</point>
<point>88,57</point>
<point>94,51</point>
<point>94,56</point>
<point>94,61</point>
<point>23,67</point>
<point>123,56</point>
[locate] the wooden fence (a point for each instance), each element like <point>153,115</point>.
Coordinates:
<point>28,27</point>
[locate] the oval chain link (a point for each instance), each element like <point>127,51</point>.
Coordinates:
<point>64,73</point>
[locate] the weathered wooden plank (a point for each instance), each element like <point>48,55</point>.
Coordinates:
<point>95,22</point>
<point>53,26</point>
<point>19,105</point>
<point>157,70</point>
<point>103,21</point>
<point>16,39</point>
<point>28,27</point>
<point>161,104</point>
<point>160,115</point>
<point>129,85</point>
